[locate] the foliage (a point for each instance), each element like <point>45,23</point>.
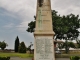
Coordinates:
<point>60,45</point>
<point>3,45</point>
<point>78,43</point>
<point>0,43</point>
<point>74,58</point>
<point>31,27</point>
<point>65,25</point>
<point>29,47</point>
<point>16,44</point>
<point>67,45</point>
<point>22,48</point>
<point>4,58</point>
<point>71,44</point>
<point>61,25</point>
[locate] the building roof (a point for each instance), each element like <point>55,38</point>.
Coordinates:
<point>58,41</point>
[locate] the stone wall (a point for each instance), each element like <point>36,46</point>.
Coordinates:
<point>71,51</point>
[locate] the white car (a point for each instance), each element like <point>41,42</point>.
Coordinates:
<point>57,52</point>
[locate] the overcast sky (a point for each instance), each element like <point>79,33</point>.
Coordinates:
<point>16,14</point>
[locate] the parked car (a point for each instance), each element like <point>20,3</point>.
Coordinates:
<point>57,52</point>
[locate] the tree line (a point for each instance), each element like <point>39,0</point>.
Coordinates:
<point>18,46</point>
<point>21,47</point>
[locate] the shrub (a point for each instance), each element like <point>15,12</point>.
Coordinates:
<point>22,48</point>
<point>4,58</point>
<point>74,58</point>
<point>3,45</point>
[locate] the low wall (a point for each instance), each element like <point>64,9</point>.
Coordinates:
<point>71,51</point>
<point>7,51</point>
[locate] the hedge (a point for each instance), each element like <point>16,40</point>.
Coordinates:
<point>74,58</point>
<point>4,58</point>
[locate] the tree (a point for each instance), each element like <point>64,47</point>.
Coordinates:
<point>78,43</point>
<point>22,48</point>
<point>68,45</point>
<point>31,26</point>
<point>61,25</point>
<point>0,43</point>
<point>65,27</point>
<point>3,45</point>
<point>29,47</point>
<point>16,44</point>
<point>60,46</point>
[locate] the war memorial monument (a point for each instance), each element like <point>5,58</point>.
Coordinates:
<point>43,43</point>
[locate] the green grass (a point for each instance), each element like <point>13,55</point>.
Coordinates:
<point>25,55</point>
<point>22,55</point>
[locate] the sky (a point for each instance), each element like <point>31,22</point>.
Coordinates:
<point>16,14</point>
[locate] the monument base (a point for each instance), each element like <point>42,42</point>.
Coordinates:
<point>44,48</point>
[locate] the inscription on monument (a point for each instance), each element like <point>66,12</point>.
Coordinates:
<point>44,48</point>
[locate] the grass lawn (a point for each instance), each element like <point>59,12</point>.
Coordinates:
<point>25,55</point>
<point>22,55</point>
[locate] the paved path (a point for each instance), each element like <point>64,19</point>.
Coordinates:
<point>62,59</point>
<point>17,58</point>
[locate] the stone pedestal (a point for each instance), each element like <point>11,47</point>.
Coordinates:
<point>43,44</point>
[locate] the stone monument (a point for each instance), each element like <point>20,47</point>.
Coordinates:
<point>43,44</point>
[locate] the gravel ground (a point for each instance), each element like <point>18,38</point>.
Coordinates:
<point>17,58</point>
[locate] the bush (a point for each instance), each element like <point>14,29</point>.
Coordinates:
<point>74,58</point>
<point>4,58</point>
<point>3,45</point>
<point>22,48</point>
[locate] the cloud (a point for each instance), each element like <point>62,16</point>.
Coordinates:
<point>9,25</point>
<point>21,7</point>
<point>24,9</point>
<point>66,7</point>
<point>22,26</point>
<point>18,13</point>
<point>4,12</point>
